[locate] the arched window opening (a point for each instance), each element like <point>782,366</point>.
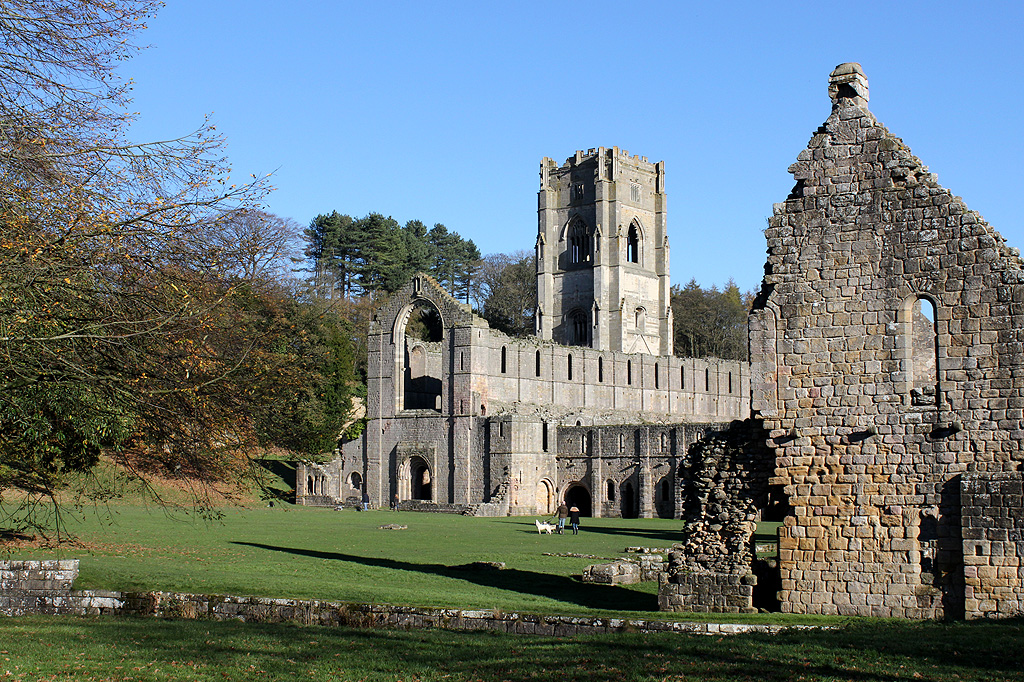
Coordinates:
<point>664,442</point>
<point>622,443</point>
<point>611,490</point>
<point>536,369</point>
<point>923,345</point>
<point>600,369</point>
<point>504,353</point>
<point>579,242</point>
<point>665,491</point>
<point>355,481</point>
<point>309,485</point>
<point>640,319</point>
<point>633,244</point>
<point>568,369</point>
<point>422,359</point>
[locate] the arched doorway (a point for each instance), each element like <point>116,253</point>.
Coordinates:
<point>576,495</point>
<point>545,497</point>
<point>415,480</point>
<point>628,508</point>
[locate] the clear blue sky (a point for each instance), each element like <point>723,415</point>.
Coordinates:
<point>442,111</point>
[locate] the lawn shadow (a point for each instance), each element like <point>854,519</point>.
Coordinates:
<point>671,536</point>
<point>556,587</point>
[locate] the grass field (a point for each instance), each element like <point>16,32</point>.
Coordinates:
<point>310,553</point>
<point>867,651</point>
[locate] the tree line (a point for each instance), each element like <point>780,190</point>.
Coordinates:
<point>351,257</point>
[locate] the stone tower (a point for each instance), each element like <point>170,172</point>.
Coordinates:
<point>602,253</point>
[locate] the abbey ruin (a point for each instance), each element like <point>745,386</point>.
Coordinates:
<point>880,416</point>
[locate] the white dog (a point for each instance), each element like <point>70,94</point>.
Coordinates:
<point>543,527</point>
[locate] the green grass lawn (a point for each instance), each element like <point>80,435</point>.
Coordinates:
<point>870,650</point>
<point>310,553</point>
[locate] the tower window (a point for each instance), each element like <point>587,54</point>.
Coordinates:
<point>707,379</point>
<point>578,329</point>
<point>656,375</point>
<point>682,377</point>
<point>579,242</point>
<point>537,361</point>
<point>633,244</point>
<point>629,372</point>
<point>600,369</point>
<point>640,318</point>
<point>503,359</point>
<point>569,367</point>
<point>634,193</point>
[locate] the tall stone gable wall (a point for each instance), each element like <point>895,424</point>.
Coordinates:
<point>871,463</point>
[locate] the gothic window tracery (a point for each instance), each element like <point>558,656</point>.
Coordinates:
<point>579,242</point>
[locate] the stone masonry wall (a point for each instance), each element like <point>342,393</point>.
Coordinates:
<point>870,443</point>
<point>21,578</point>
<point>993,532</point>
<point>35,586</point>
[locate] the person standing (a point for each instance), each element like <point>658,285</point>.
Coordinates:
<point>563,512</point>
<point>574,519</point>
<point>366,500</point>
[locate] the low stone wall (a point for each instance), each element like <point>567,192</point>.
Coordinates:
<point>707,592</point>
<point>35,586</point>
<point>30,587</point>
<point>992,512</point>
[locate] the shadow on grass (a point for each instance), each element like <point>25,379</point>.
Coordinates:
<point>872,651</point>
<point>555,587</point>
<point>669,536</point>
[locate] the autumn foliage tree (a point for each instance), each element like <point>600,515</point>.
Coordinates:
<point>134,278</point>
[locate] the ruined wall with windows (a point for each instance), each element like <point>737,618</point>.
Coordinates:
<point>887,351</point>
<point>467,419</point>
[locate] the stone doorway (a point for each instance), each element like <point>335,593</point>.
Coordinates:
<point>576,495</point>
<point>628,506</point>
<point>545,497</point>
<point>415,480</point>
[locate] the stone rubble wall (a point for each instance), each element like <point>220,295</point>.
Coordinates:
<point>44,587</point>
<point>993,536</point>
<point>725,487</point>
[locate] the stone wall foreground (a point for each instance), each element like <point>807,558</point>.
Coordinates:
<point>44,587</point>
